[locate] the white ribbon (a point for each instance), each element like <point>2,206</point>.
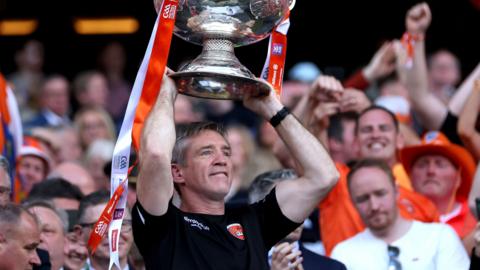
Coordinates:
<point>121,154</point>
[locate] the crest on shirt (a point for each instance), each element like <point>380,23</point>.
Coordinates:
<point>236,230</point>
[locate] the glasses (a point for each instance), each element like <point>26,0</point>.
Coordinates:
<point>5,190</point>
<point>393,262</point>
<point>126,225</point>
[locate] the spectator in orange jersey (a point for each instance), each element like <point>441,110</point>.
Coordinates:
<point>378,137</point>
<point>443,172</point>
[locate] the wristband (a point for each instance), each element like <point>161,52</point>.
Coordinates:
<point>279,116</point>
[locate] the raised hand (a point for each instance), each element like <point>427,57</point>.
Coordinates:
<point>266,106</point>
<point>354,100</point>
<point>284,258</point>
<point>326,89</point>
<point>418,19</point>
<point>382,63</point>
<point>168,85</point>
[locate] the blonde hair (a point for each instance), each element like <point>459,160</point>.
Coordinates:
<point>103,116</point>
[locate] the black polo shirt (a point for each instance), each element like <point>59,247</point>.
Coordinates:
<point>239,239</point>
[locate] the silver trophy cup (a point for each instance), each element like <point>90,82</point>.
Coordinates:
<point>221,25</point>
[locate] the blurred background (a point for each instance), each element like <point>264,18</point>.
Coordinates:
<point>339,36</point>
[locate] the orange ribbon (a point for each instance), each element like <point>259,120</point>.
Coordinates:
<point>278,53</point>
<point>101,226</point>
<point>156,67</point>
<point>408,41</point>
<point>150,89</point>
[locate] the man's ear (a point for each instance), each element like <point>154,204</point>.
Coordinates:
<point>177,174</point>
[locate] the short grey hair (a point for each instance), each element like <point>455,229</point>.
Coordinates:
<point>185,132</point>
<point>61,213</point>
<point>265,182</point>
<point>10,214</point>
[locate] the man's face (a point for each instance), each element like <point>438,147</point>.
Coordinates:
<point>444,69</point>
<point>52,237</point>
<point>56,97</point>
<point>33,170</point>
<point>94,127</point>
<point>208,166</point>
<point>18,248</point>
<point>435,176</point>
<point>239,151</point>
<point>126,236</point>
<point>377,136</point>
<point>374,197</point>
<point>97,91</point>
<point>5,187</point>
<point>75,252</point>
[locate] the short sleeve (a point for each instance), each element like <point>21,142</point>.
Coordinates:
<point>449,128</point>
<point>147,228</point>
<point>274,224</point>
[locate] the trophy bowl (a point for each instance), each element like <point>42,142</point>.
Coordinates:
<point>219,26</point>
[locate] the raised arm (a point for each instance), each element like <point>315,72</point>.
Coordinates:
<point>467,120</point>
<point>316,106</point>
<point>381,65</point>
<point>430,109</point>
<point>463,92</point>
<point>155,183</point>
<point>313,111</point>
<point>297,199</point>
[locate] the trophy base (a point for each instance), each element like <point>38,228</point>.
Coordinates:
<point>218,86</point>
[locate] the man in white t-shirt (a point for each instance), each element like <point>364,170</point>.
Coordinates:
<point>390,241</point>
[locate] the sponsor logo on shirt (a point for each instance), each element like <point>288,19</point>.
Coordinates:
<point>236,230</point>
<point>195,223</point>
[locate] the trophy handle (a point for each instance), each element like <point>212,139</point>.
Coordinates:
<point>291,4</point>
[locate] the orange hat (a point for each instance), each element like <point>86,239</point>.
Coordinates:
<point>435,142</point>
<point>32,147</point>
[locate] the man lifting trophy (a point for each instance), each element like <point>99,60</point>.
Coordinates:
<point>218,25</point>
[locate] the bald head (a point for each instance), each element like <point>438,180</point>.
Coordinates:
<point>75,174</point>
